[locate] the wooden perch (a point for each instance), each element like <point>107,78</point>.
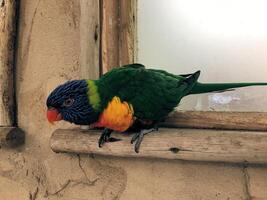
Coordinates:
<point>11,137</point>
<point>7,39</point>
<point>181,144</point>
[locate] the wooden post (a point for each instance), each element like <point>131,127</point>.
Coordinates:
<point>118,33</point>
<point>89,39</point>
<point>181,144</point>
<point>128,31</point>
<point>7,39</point>
<point>11,137</point>
<point>110,34</point>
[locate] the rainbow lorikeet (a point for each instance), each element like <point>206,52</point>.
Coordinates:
<point>125,96</point>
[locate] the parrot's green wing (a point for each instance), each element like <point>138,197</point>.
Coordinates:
<point>152,93</point>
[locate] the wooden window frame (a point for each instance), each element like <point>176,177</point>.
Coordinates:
<point>10,134</point>
<point>118,33</point>
<point>236,137</point>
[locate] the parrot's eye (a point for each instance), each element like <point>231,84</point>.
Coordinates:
<point>68,102</point>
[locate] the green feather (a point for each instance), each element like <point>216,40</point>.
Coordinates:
<point>213,87</point>
<point>93,95</point>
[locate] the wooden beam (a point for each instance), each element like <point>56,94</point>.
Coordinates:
<point>110,34</point>
<point>180,144</point>
<point>7,40</point>
<point>11,137</point>
<point>118,33</point>
<point>89,39</point>
<point>128,31</point>
<point>255,121</point>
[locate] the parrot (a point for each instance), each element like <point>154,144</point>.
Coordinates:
<point>126,96</point>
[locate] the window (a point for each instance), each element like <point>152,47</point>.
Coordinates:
<point>226,40</point>
<point>172,35</point>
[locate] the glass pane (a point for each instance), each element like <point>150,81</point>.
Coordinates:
<point>225,39</point>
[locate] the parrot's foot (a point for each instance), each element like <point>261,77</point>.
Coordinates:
<point>105,137</point>
<point>138,137</point>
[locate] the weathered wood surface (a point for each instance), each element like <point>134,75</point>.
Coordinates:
<point>110,34</point>
<point>128,31</point>
<point>180,144</point>
<point>89,39</point>
<point>118,33</point>
<point>11,137</point>
<point>7,40</point>
<point>256,121</point>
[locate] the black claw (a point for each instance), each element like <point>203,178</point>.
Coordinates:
<point>138,142</point>
<point>112,139</point>
<point>135,136</point>
<point>138,137</point>
<point>105,136</point>
<point>101,141</point>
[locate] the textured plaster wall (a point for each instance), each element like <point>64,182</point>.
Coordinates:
<point>48,54</point>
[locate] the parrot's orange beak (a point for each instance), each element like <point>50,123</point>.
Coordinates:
<point>53,115</point>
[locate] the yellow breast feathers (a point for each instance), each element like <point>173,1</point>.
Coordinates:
<point>117,116</point>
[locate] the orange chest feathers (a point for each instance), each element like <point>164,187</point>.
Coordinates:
<point>117,116</point>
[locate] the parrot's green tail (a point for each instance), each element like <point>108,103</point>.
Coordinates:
<point>218,87</point>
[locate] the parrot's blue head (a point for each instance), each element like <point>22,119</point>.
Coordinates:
<point>70,102</point>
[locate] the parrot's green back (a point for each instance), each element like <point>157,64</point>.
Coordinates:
<point>153,93</point>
